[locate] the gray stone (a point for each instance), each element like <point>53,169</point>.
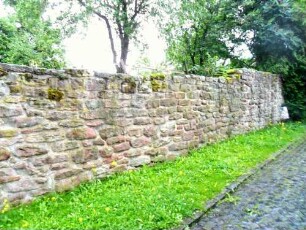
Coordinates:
<point>138,161</point>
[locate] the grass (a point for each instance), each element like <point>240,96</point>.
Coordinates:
<point>155,197</point>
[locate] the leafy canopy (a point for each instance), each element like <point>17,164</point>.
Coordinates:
<point>27,38</point>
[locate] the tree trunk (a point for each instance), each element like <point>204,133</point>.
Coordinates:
<point>121,66</point>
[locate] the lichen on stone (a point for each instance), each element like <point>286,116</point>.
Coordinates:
<point>55,94</point>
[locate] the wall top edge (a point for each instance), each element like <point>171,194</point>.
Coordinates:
<point>89,73</point>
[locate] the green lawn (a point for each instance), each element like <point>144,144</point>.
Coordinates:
<point>155,197</point>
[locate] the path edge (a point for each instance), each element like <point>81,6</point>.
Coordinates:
<point>195,218</point>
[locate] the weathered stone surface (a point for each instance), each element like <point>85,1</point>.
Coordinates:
<point>72,123</point>
<point>23,122</point>
<point>28,151</point>
<point>21,185</point>
<point>4,154</point>
<point>6,179</point>
<point>8,132</point>
<point>138,161</point>
<point>45,137</point>
<point>122,147</point>
<point>106,152</point>
<point>110,132</point>
<point>82,134</point>
<point>64,173</point>
<point>64,146</point>
<point>10,111</point>
<point>139,142</point>
<point>85,155</point>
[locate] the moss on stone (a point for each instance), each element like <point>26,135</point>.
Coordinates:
<point>2,72</point>
<point>27,76</point>
<point>15,88</point>
<point>128,85</point>
<point>158,81</point>
<point>55,94</point>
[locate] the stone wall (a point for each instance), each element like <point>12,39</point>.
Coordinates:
<point>59,128</point>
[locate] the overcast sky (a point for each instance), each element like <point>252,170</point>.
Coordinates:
<point>91,48</point>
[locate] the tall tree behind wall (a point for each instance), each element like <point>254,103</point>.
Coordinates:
<point>28,38</point>
<point>122,19</point>
<point>197,32</point>
<point>279,45</point>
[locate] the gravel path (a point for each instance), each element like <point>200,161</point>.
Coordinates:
<point>273,198</point>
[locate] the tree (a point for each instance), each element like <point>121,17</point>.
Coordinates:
<point>279,45</point>
<point>122,16</point>
<point>197,33</point>
<point>27,38</point>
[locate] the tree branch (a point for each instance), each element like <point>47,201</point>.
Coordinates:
<point>109,29</point>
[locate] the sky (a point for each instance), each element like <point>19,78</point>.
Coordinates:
<point>90,49</point>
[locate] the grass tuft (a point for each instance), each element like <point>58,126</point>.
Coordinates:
<point>155,197</point>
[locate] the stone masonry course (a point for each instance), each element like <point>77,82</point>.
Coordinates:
<point>59,128</point>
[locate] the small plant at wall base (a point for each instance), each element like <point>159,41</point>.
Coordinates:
<point>157,197</point>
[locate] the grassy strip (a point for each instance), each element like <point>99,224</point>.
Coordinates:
<point>156,197</point>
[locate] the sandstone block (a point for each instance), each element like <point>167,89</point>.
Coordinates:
<point>45,137</point>
<point>106,152</point>
<point>82,134</point>
<point>168,102</point>
<point>64,173</point>
<point>6,179</point>
<point>150,131</point>
<point>71,123</point>
<point>116,140</point>
<point>64,146</point>
<point>138,161</point>
<point>85,155</point>
<point>178,146</point>
<point>23,122</point>
<point>142,121</point>
<point>4,154</point>
<point>122,147</point>
<point>94,123</point>
<point>28,151</point>
<point>140,142</point>
<point>8,132</point>
<point>10,111</point>
<point>110,132</point>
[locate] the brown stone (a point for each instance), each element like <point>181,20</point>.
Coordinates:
<point>64,173</point>
<point>94,123</point>
<point>142,121</point>
<point>122,147</point>
<point>138,161</point>
<point>106,152</point>
<point>24,122</point>
<point>4,154</point>
<point>110,132</point>
<point>6,179</point>
<point>82,134</point>
<point>150,131</point>
<point>28,151</point>
<point>140,142</point>
<point>116,140</point>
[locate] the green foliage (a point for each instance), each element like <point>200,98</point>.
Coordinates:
<point>29,39</point>
<point>279,45</point>
<point>157,197</point>
<point>196,33</point>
